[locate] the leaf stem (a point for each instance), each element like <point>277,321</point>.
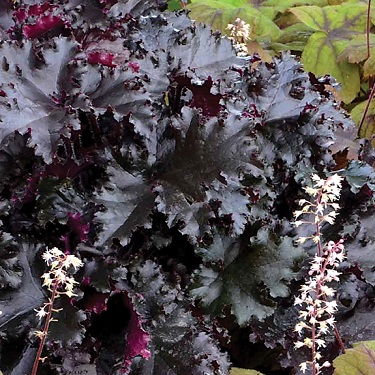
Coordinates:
<point>368,28</point>
<point>364,114</point>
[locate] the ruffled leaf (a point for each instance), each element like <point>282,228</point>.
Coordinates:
<point>247,276</point>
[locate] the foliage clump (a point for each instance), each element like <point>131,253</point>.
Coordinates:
<point>141,143</point>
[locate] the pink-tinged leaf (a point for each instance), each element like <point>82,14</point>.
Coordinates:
<point>42,25</point>
<point>104,58</point>
<point>69,169</point>
<point>360,360</point>
<point>20,15</point>
<point>37,10</point>
<point>202,97</point>
<point>137,338</point>
<point>134,67</point>
<point>76,225</point>
<point>95,302</point>
<point>36,20</point>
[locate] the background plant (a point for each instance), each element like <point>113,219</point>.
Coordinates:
<point>141,143</point>
<point>329,36</point>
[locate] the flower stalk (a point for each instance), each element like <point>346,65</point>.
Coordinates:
<point>58,282</point>
<point>240,33</point>
<point>316,297</point>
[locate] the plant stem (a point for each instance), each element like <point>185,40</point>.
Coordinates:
<point>337,333</point>
<point>45,328</point>
<point>313,347</point>
<point>368,28</point>
<point>364,114</point>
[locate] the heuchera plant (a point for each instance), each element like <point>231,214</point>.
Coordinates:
<point>141,143</point>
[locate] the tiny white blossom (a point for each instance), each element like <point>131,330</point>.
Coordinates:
<point>47,256</point>
<point>297,223</point>
<point>318,307</point>
<point>40,313</point>
<point>39,334</point>
<point>302,240</point>
<point>56,252</point>
<point>47,280</point>
<point>321,343</point>
<point>303,366</point>
<point>311,191</point>
<point>57,280</point>
<point>318,356</point>
<point>323,327</point>
<point>298,344</point>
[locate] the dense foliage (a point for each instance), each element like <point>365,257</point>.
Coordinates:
<point>140,142</point>
<point>331,36</point>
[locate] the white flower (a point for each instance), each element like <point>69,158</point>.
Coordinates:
<point>302,240</point>
<point>298,344</point>
<point>298,301</point>
<point>321,343</point>
<point>303,366</point>
<point>318,312</point>
<point>47,256</point>
<point>297,223</point>
<point>311,191</point>
<point>47,280</point>
<point>41,313</point>
<point>56,252</point>
<point>39,334</point>
<point>57,280</point>
<point>323,327</point>
<point>72,261</point>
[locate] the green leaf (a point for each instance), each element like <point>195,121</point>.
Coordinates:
<point>356,52</point>
<point>335,27</point>
<point>241,371</point>
<point>357,361</point>
<point>321,57</point>
<point>219,13</point>
<point>293,38</point>
<point>246,277</point>
<point>282,6</point>
<point>174,5</point>
<point>369,67</point>
<point>368,127</point>
<point>343,19</point>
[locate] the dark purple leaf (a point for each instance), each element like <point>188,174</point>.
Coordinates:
<point>68,330</point>
<point>76,225</point>
<point>137,338</point>
<point>176,346</point>
<point>32,88</point>
<point>221,282</point>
